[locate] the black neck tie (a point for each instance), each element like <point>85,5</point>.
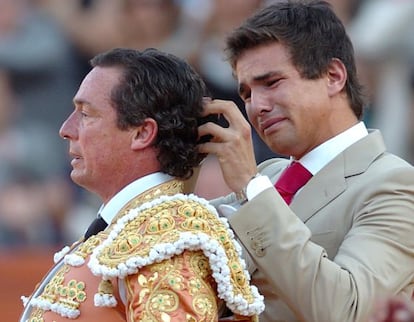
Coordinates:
<point>95,227</point>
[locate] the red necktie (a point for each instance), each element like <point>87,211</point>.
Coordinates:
<point>292,179</point>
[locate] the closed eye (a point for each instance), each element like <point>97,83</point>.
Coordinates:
<point>273,82</point>
<point>244,93</point>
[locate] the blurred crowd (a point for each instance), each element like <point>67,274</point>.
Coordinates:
<point>45,46</point>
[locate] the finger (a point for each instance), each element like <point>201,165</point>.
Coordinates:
<point>209,148</point>
<point>208,128</point>
<point>220,138</point>
<point>227,109</point>
<point>237,124</point>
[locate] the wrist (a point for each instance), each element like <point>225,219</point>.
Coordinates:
<point>241,195</point>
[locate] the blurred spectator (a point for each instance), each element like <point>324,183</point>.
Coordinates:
<point>31,205</point>
<point>346,10</point>
<point>104,24</point>
<point>384,45</point>
<point>43,75</point>
<point>196,10</point>
<point>39,77</point>
<point>92,26</point>
<point>159,24</point>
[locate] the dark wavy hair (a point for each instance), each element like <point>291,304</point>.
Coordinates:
<point>165,88</point>
<point>313,34</point>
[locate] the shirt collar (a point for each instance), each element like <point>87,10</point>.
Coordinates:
<point>320,156</point>
<point>109,210</point>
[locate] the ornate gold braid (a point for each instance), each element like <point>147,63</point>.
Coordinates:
<point>168,188</point>
<point>163,224</point>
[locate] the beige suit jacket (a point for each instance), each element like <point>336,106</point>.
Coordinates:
<point>346,239</point>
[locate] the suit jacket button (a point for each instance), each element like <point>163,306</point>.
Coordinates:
<point>260,252</point>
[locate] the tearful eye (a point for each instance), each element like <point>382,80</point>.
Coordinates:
<point>245,96</point>
<point>273,82</point>
<point>244,92</point>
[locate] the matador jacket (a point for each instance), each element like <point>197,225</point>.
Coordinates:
<point>166,256</point>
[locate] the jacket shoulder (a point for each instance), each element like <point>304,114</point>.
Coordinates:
<point>272,166</point>
<point>168,226</point>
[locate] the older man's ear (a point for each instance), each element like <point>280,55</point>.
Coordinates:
<point>144,135</point>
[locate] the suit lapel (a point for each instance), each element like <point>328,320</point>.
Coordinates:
<point>320,190</point>
<point>330,182</point>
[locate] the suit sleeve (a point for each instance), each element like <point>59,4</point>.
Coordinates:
<point>177,289</point>
<point>375,258</point>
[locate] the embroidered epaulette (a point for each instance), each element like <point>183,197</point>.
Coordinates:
<point>165,227</point>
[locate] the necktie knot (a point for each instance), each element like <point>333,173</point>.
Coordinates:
<point>292,179</point>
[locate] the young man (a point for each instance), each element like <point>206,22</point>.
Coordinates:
<point>154,253</point>
<point>326,250</point>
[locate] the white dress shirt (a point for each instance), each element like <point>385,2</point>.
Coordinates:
<point>109,210</point>
<point>316,159</point>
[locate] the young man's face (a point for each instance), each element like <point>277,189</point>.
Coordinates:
<point>290,113</point>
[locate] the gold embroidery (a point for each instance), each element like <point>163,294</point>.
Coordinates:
<point>204,304</point>
<point>136,239</point>
<point>105,287</point>
<point>162,224</point>
<point>158,291</point>
<point>89,245</point>
<point>165,267</point>
<point>195,285</point>
<point>164,290</point>
<point>176,281</point>
<point>165,301</point>
<point>169,188</point>
<point>193,211</point>
<point>72,294</point>
<point>146,284</point>
<point>196,224</point>
<point>132,241</point>
<point>199,263</point>
<point>153,226</point>
<point>52,289</point>
<point>37,315</point>
<point>237,273</point>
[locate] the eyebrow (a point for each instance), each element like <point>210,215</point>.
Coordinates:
<point>79,101</point>
<point>260,78</point>
<point>266,76</point>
